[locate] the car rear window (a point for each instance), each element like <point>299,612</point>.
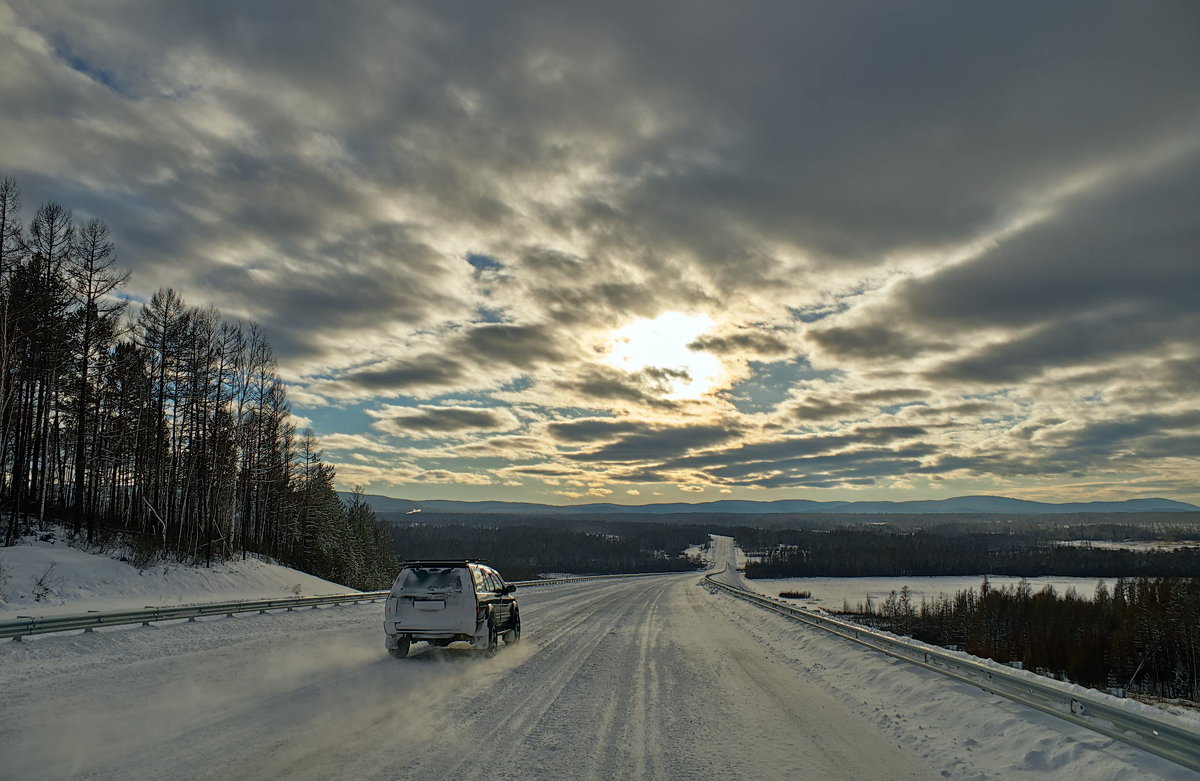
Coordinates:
<point>432,580</point>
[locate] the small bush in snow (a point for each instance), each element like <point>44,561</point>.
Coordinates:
<point>796,594</point>
<point>46,584</point>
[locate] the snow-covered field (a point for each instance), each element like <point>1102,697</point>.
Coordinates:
<point>643,678</point>
<point>40,578</point>
<point>1136,545</point>
<point>831,593</point>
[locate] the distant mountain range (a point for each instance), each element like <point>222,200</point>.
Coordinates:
<point>960,504</point>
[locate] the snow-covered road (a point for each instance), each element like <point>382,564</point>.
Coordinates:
<point>627,679</point>
<point>640,678</point>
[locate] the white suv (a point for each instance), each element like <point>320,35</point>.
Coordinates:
<point>448,601</point>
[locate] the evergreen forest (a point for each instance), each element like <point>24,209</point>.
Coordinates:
<point>523,551</point>
<point>1141,636</point>
<point>859,552</point>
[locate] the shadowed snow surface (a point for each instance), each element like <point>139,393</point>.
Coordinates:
<point>641,678</point>
<point>78,581</point>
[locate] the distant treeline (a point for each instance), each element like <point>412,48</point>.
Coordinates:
<point>522,552</point>
<point>1138,525</point>
<point>167,427</point>
<point>859,553</point>
<point>1142,636</point>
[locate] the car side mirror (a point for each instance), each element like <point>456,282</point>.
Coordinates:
<point>509,588</point>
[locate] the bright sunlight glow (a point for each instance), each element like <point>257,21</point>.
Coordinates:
<point>660,346</point>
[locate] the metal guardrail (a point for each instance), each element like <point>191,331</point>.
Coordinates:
<point>30,625</point>
<point>1168,740</point>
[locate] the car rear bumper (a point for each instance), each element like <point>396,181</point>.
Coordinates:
<point>396,633</point>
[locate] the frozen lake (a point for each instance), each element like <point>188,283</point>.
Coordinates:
<point>1135,545</point>
<point>830,593</point>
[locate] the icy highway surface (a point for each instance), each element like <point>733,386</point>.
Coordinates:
<point>641,678</point>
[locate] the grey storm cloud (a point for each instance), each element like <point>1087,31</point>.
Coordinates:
<point>852,465</point>
<point>861,467</point>
<point>920,140</point>
<point>422,371</point>
<point>1108,436</point>
<point>521,346</point>
<point>781,450</point>
<point>1057,447</point>
<point>433,420</point>
<point>1081,340</point>
<point>854,130</point>
<point>552,472</point>
<point>874,340</point>
<point>921,201</point>
<point>657,442</point>
<point>966,410</point>
<point>573,299</point>
<point>480,348</point>
<point>811,408</point>
<point>890,395</point>
<point>865,455</point>
<point>593,430</point>
<point>746,343</point>
<point>1112,275</point>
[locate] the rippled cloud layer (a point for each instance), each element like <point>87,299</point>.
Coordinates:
<point>644,252</point>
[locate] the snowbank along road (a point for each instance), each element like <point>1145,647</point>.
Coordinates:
<point>642,678</point>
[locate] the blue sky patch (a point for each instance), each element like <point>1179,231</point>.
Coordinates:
<point>770,383</point>
<point>62,49</point>
<point>483,263</point>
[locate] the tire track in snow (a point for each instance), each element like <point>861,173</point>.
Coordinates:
<point>531,717</point>
<point>433,743</point>
<point>615,679</point>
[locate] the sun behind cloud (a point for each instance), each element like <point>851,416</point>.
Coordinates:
<point>661,346</point>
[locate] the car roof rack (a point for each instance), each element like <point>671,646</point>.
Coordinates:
<point>442,562</point>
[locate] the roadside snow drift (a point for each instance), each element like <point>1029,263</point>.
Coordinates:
<point>47,577</point>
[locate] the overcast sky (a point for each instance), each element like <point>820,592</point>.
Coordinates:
<point>576,251</point>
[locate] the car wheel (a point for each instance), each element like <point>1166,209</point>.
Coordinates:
<point>493,641</point>
<point>401,649</point>
<point>513,636</point>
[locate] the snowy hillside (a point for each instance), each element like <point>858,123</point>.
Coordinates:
<point>46,576</point>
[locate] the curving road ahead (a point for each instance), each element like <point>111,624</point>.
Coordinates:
<point>616,679</point>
